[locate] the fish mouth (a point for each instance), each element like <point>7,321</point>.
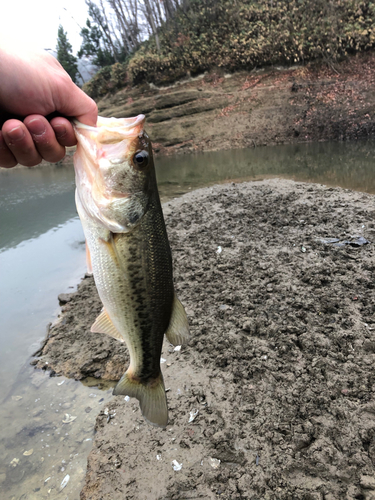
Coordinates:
<point>111,140</point>
<point>112,130</point>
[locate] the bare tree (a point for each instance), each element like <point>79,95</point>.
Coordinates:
<point>125,23</point>
<point>100,18</point>
<point>151,20</point>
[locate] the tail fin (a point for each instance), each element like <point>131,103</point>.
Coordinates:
<point>151,397</point>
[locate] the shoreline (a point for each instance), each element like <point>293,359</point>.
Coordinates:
<point>281,348</point>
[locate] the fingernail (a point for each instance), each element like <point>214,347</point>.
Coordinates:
<point>16,134</point>
<point>36,127</point>
<point>60,130</point>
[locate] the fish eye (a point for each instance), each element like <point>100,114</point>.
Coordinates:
<point>141,159</point>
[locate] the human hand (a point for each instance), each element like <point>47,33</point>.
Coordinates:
<point>34,85</point>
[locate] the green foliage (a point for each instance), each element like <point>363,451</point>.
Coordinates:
<point>244,34</point>
<point>65,55</point>
<point>98,42</point>
<point>108,79</point>
<point>90,47</point>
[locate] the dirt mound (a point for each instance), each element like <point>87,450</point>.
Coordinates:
<point>274,395</point>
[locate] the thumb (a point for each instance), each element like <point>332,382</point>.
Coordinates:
<point>78,104</point>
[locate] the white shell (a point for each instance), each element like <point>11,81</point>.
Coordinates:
<point>65,481</point>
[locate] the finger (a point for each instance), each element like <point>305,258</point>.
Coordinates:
<point>44,138</point>
<point>77,103</point>
<point>20,143</point>
<point>7,160</point>
<point>64,131</point>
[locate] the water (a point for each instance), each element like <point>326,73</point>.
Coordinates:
<point>42,254</point>
<point>348,165</point>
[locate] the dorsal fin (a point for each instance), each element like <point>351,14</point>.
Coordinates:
<point>103,324</point>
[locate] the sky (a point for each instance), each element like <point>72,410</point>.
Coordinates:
<point>35,23</point>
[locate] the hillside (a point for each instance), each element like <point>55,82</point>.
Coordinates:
<point>234,35</point>
<point>276,105</point>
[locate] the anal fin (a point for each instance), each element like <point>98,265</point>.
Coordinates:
<point>178,329</point>
<point>103,324</point>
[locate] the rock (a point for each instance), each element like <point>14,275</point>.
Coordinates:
<point>64,298</point>
<point>367,482</point>
<point>38,378</point>
<point>2,477</point>
<point>247,325</point>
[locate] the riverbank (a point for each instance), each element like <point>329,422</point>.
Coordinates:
<point>281,351</point>
<point>278,105</point>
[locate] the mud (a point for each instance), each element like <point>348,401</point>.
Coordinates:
<point>280,365</point>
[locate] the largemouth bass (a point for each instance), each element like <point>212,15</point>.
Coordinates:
<point>127,246</point>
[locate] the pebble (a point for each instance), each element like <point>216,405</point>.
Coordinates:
<point>246,326</point>
<point>37,412</point>
<point>38,378</point>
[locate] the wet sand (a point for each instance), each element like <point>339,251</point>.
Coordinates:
<point>277,379</point>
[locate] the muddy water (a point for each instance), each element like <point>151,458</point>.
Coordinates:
<point>46,423</point>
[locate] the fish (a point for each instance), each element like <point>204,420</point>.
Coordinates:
<point>128,253</point>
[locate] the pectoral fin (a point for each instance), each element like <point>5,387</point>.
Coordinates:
<point>88,260</point>
<point>103,324</point>
<point>178,330</point>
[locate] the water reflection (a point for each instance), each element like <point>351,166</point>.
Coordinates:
<point>348,165</point>
<point>32,275</point>
<point>34,200</point>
